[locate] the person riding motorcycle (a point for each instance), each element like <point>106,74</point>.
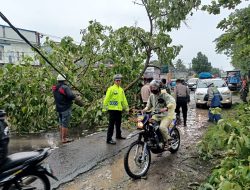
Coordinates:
<point>163,103</point>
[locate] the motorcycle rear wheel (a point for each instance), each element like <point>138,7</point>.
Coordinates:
<point>135,165</point>
<point>29,181</point>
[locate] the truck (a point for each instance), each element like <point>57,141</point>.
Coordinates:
<point>234,80</point>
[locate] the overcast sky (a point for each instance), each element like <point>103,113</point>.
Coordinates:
<point>61,18</point>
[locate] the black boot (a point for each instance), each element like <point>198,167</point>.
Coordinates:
<point>185,122</point>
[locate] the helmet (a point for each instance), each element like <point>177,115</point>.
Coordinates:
<point>155,86</point>
<point>155,83</point>
<point>61,78</point>
<point>117,77</point>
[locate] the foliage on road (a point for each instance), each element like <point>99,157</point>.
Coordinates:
<point>230,141</point>
<point>25,95</point>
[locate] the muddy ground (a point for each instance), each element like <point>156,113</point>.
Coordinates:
<point>181,171</point>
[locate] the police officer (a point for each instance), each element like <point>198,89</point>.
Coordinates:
<point>181,93</point>
<point>145,91</point>
<point>4,137</point>
<point>114,102</point>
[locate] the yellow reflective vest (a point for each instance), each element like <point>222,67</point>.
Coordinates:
<point>115,99</point>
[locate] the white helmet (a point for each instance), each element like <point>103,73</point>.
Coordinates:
<point>61,78</point>
<point>155,83</point>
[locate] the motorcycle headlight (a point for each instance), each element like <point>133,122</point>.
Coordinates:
<point>139,125</point>
<point>139,121</point>
<point>140,118</point>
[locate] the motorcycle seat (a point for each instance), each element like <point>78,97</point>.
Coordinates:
<point>17,159</point>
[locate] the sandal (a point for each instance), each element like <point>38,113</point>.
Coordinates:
<point>67,141</point>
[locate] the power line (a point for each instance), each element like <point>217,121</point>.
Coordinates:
<point>57,37</point>
<point>16,30</point>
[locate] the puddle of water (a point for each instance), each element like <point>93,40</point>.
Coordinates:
<point>109,175</point>
<point>30,142</point>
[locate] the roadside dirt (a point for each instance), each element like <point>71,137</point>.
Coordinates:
<point>180,171</point>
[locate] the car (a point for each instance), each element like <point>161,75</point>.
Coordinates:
<point>173,83</point>
<point>201,96</point>
<point>191,83</point>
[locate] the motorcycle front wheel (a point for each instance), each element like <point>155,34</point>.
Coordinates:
<point>137,160</point>
<point>29,181</point>
<point>175,141</point>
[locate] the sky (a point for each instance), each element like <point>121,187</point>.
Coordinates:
<point>59,18</point>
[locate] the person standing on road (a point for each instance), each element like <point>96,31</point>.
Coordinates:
<point>214,98</point>
<point>145,91</point>
<point>63,99</point>
<point>182,97</point>
<point>4,137</point>
<point>165,87</point>
<point>244,90</point>
<point>114,102</point>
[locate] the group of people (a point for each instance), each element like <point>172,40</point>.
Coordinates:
<point>115,102</point>
<point>156,95</point>
<point>181,95</point>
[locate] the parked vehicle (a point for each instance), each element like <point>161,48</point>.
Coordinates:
<point>205,75</point>
<point>192,83</point>
<point>201,96</point>
<point>234,80</point>
<point>26,170</point>
<point>138,156</point>
<point>173,83</point>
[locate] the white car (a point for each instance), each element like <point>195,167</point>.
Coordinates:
<point>201,96</point>
<point>192,83</point>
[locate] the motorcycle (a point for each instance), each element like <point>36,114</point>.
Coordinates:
<point>26,170</point>
<point>138,156</point>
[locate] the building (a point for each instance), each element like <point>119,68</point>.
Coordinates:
<point>152,72</point>
<point>12,47</point>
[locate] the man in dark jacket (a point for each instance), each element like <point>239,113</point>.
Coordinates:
<point>63,98</point>
<point>4,137</point>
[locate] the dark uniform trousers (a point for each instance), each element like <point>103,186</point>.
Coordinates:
<point>182,103</point>
<point>115,118</point>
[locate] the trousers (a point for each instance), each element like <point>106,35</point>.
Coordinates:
<point>115,119</point>
<point>182,103</point>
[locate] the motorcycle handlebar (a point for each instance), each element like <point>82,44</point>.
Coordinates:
<point>149,112</point>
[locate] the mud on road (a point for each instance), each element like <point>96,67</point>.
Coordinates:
<point>181,171</point>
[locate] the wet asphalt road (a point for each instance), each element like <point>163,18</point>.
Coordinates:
<point>80,156</point>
